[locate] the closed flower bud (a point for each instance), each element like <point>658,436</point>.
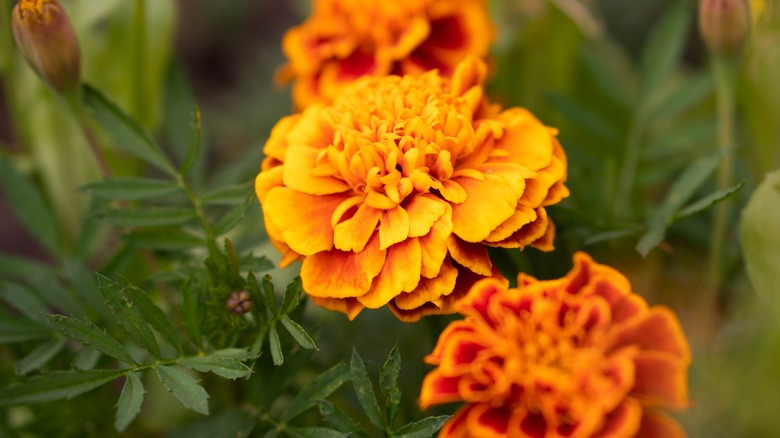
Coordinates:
<point>239,303</point>
<point>724,25</point>
<point>47,41</point>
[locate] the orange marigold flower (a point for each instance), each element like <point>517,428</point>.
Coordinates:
<point>391,194</point>
<point>345,39</point>
<point>580,356</point>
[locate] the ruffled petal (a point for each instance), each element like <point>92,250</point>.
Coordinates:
<point>339,274</point>
<point>434,245</point>
<point>471,255</point>
<point>353,234</point>
<point>348,306</point>
<point>393,227</point>
<point>400,273</point>
<point>489,203</point>
<point>298,166</point>
<point>429,289</point>
<point>424,211</point>
<point>624,421</point>
<point>656,330</point>
<point>661,380</point>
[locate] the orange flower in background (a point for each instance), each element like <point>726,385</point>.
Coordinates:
<point>580,356</point>
<point>343,40</point>
<point>391,194</point>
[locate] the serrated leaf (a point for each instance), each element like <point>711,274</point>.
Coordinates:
<point>292,296</point>
<point>226,367</point>
<point>29,206</point>
<point>275,345</point>
<point>298,333</point>
<point>226,424</point>
<point>174,240</point>
<point>340,420</point>
<point>234,216</point>
<point>229,195</point>
<point>388,383</point>
<point>24,300</point>
<point>422,429</point>
<point>313,432</point>
<point>152,314</point>
<point>39,356</point>
<point>195,144</point>
<point>130,401</point>
<point>125,130</point>
<point>708,201</point>
<point>17,329</point>
<point>130,188</point>
<point>184,388</point>
<point>364,391</point>
<point>662,51</point>
<point>57,385</point>
<point>318,389</point>
<point>86,332</point>
<point>147,216</point>
<point>128,316</point>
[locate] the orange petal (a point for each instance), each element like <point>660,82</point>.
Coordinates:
<point>656,425</point>
<point>488,421</point>
<point>393,227</point>
<point>424,211</point>
<point>429,289</point>
<point>521,217</point>
<point>623,421</point>
<point>348,306</point>
<point>657,330</point>
<point>298,166</point>
<point>303,220</point>
<point>538,188</point>
<point>471,255</point>
<point>527,234</point>
<point>434,245</point>
<point>489,203</point>
<point>437,389</point>
<point>353,234</point>
<point>267,180</point>
<point>416,31</point>
<point>528,142</point>
<point>276,146</point>
<point>456,427</point>
<point>339,274</point>
<point>400,273</point>
<point>311,130</point>
<point>469,73</point>
<point>661,380</point>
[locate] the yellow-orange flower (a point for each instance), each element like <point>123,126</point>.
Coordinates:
<point>580,356</point>
<point>345,39</point>
<point>391,194</point>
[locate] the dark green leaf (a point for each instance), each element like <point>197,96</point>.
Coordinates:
<point>152,314</point>
<point>191,311</point>
<point>313,432</point>
<point>269,296</point>
<point>340,420</point>
<point>388,383</point>
<point>16,329</point>
<point>131,188</point>
<point>173,240</point>
<point>675,142</point>
<point>226,367</point>
<point>147,216</point>
<point>226,424</point>
<point>57,385</point>
<point>50,289</point>
<point>662,51</point>
<point>19,267</point>
<point>125,130</point>
<point>82,280</point>
<point>276,345</point>
<point>292,296</point>
<point>229,195</point>
<point>195,144</point>
<point>708,201</point>
<point>612,235</point>
<point>87,359</point>
<point>318,389</point>
<point>184,388</point>
<point>298,333</point>
<point>130,400</point>
<point>682,98</point>
<point>86,332</point>
<point>235,353</point>
<point>28,203</point>
<point>584,117</point>
<point>605,68</point>
<point>39,357</point>
<point>364,391</point>
<point>255,264</point>
<point>128,315</point>
<point>24,300</point>
<point>234,216</point>
<point>423,428</point>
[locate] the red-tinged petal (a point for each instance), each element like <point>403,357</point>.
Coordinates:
<point>348,306</point>
<point>459,353</point>
<point>656,330</point>
<point>339,274</point>
<point>526,139</point>
<point>303,220</point>
<point>529,425</point>
<point>470,255</point>
<point>424,211</point>
<point>456,426</point>
<point>393,227</point>
<point>527,234</point>
<point>353,234</point>
<point>521,217</point>
<point>488,421</point>
<point>444,338</point>
<point>434,245</point>
<point>624,421</point>
<point>415,33</point>
<point>661,380</point>
<point>438,388</point>
<point>656,425</point>
<point>299,163</point>
<point>478,300</point>
<point>489,203</point>
<point>400,273</point>
<point>429,289</point>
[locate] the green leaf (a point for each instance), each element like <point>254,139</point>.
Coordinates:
<point>226,424</point>
<point>269,297</point>
<point>340,420</point>
<point>146,216</point>
<point>422,429</point>
<point>313,432</point>
<point>20,267</point>
<point>130,401</point>
<point>708,201</point>
<point>39,357</point>
<point>604,67</point>
<point>298,333</point>
<point>87,359</point>
<point>173,240</point>
<point>663,48</point>
<point>128,315</point>
<point>676,142</point>
<point>235,353</point>
<point>184,388</point>
<point>364,391</point>
<point>24,300</point>
<point>234,216</point>
<point>388,383</point>
<point>760,236</point>
<point>191,311</point>
<point>16,329</point>
<point>195,144</point>
<point>682,98</point>
<point>86,332</point>
<point>318,389</point>
<point>226,367</point>
<point>130,188</point>
<point>276,345</point>
<point>584,116</point>
<point>57,385</point>
<point>152,314</point>
<point>255,264</point>
<point>292,296</point>
<point>29,206</point>
<point>125,130</point>
<point>229,195</point>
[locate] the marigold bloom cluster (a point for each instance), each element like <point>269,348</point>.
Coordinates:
<point>391,194</point>
<point>580,356</point>
<point>343,40</point>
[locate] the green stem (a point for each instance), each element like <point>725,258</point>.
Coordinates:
<point>211,236</point>
<point>724,71</point>
<point>628,168</point>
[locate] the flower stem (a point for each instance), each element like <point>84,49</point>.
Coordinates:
<point>211,236</point>
<point>627,176</point>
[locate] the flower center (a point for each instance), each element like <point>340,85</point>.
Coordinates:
<point>33,7</point>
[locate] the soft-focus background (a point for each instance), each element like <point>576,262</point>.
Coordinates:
<point>610,74</point>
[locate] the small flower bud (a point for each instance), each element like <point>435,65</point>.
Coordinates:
<point>724,25</point>
<point>239,303</point>
<point>47,41</point>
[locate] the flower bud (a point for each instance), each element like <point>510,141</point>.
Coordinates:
<point>724,25</point>
<point>47,41</point>
<point>239,303</point>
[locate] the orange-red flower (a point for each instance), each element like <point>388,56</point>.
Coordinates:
<point>391,194</point>
<point>580,356</point>
<point>345,39</point>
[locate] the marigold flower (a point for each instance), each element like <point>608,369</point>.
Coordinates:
<point>724,25</point>
<point>580,356</point>
<point>391,194</point>
<point>345,39</point>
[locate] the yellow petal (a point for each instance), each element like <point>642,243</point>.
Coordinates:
<point>522,216</point>
<point>471,255</point>
<point>488,205</point>
<point>434,245</point>
<point>429,289</point>
<point>339,274</point>
<point>298,166</point>
<point>393,227</point>
<point>400,273</point>
<point>424,211</point>
<point>526,139</point>
<point>353,233</point>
